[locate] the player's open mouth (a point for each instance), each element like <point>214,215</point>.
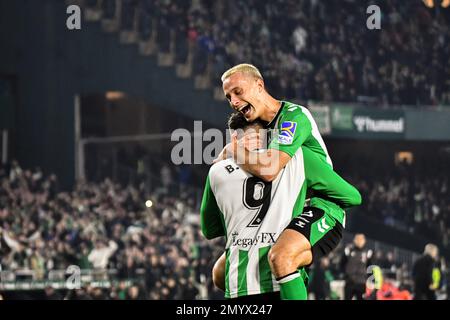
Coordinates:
<point>246,109</point>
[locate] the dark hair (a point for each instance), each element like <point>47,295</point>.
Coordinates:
<point>238,121</point>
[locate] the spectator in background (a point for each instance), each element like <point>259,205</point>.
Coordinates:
<point>100,255</point>
<point>135,293</point>
<point>320,279</point>
<point>424,288</point>
<point>166,176</point>
<point>299,37</point>
<point>355,261</point>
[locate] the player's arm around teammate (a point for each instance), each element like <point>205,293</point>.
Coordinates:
<point>305,237</point>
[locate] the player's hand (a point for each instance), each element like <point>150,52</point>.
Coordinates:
<point>251,141</point>
<point>228,150</point>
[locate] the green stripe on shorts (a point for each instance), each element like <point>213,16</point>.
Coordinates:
<point>320,228</point>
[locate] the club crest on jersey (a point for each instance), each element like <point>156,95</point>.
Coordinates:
<point>287,133</point>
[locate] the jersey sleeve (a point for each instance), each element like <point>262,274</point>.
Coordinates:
<point>211,220</point>
<point>325,182</point>
<point>293,129</point>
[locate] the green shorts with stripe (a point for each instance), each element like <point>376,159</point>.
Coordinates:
<point>320,227</point>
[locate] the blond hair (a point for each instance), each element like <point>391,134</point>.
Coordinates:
<point>243,68</point>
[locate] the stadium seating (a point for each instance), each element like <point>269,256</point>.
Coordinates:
<point>301,57</point>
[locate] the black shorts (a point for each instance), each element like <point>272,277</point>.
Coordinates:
<point>321,229</point>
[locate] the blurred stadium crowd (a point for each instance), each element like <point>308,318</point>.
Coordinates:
<point>409,197</point>
<point>308,49</point>
<point>151,241</point>
<point>102,226</point>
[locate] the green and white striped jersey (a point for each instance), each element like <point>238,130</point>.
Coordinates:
<point>254,213</point>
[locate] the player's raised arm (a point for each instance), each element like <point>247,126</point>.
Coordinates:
<point>265,165</point>
<point>210,214</point>
<point>327,183</point>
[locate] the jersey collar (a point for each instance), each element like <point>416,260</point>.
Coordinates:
<point>271,124</point>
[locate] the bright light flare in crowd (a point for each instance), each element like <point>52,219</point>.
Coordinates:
<point>148,203</point>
